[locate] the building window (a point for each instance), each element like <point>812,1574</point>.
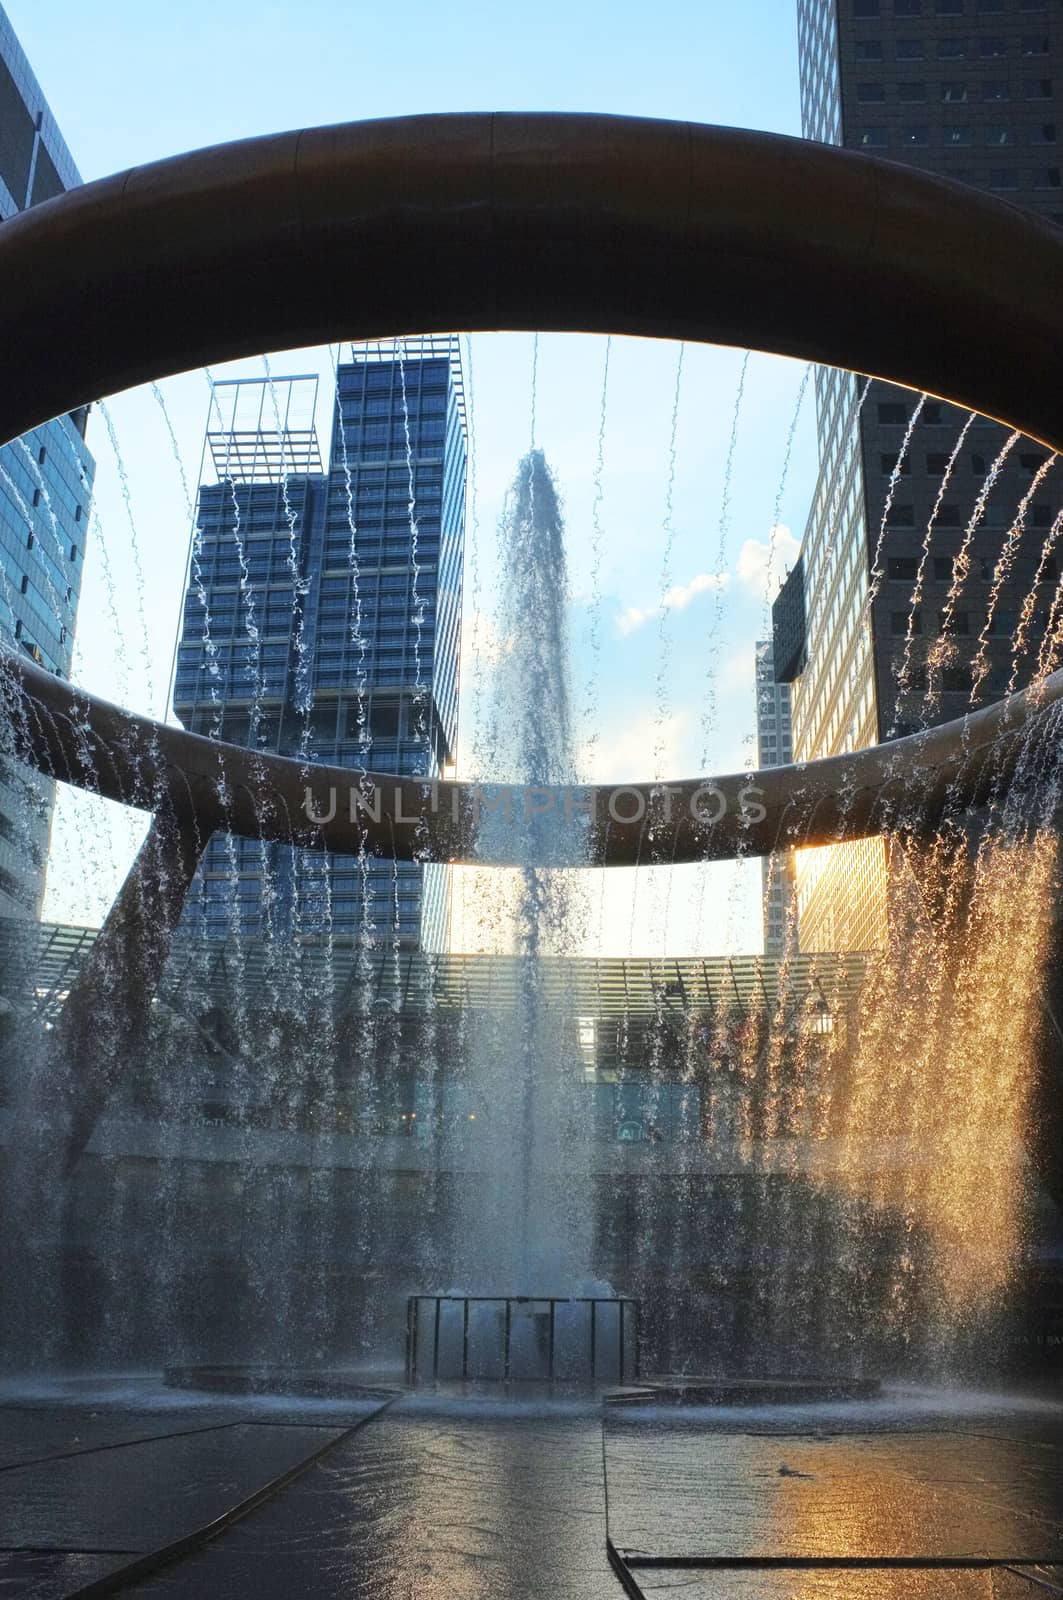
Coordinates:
<point>1044,133</point>
<point>953,93</point>
<point>901,516</point>
<point>948,515</point>
<point>957,136</point>
<point>932,414</point>
<point>73,552</point>
<point>992,46</point>
<point>1031,462</point>
<point>1033,5</point>
<point>902,568</point>
<point>997,133</point>
<point>868,49</point>
<point>36,497</point>
<point>77,513</point>
<point>959,622</point>
<point>1037,88</point>
<point>995,89</point>
<point>909,49</point>
<point>937,464</point>
<point>870,93</point>
<point>892,411</point>
<point>866,8</point>
<point>907,8</point>
<point>1046,178</point>
<point>915,136</point>
<point>873,138</point>
<point>1003,178</point>
<point>25,583</point>
<point>1034,44</point>
<point>943,568</point>
<point>952,49</point>
<point>899,623</point>
<point>907,92</point>
<point>891,462</point>
<point>987,6</point>
<point>42,456</point>
<point>949,8</point>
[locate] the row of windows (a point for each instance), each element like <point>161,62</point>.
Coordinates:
<point>382,405</point>
<point>355,379</point>
<point>1041,178</point>
<point>954,679</point>
<point>935,413</point>
<point>991,133</point>
<point>960,92</point>
<point>995,134</point>
<point>905,569</point>
<point>942,8</point>
<point>950,515</point>
<point>1029,461</point>
<point>1001,623</point>
<point>379,432</point>
<point>954,48</point>
<point>31,543</point>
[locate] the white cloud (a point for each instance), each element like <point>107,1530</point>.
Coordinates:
<point>630,750</point>
<point>763,563</point>
<point>627,621</point>
<point>677,598</point>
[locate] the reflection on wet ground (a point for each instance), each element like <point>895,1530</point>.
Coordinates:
<point>431,1497</point>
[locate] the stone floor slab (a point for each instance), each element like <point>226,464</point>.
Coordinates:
<point>678,1492</point>
<point>148,1494</point>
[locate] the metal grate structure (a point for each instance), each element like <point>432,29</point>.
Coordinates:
<point>262,430</point>
<point>522,1339</point>
<point>39,962</point>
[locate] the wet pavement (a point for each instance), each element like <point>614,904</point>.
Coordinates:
<point>917,1496</point>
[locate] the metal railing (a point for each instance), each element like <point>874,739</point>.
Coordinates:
<point>448,1337</point>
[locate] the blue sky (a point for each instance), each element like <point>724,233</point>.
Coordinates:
<point>130,83</point>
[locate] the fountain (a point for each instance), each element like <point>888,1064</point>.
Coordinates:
<point>259,1161</point>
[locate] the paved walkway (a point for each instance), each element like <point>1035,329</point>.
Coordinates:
<point>430,1500</point>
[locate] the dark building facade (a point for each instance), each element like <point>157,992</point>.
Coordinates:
<point>322,619</point>
<point>924,556</point>
<point>775,749</point>
<point>45,493</point>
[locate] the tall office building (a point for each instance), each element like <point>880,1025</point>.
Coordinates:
<point>322,618</point>
<point>774,749</point>
<point>45,489</point>
<point>877,627</point>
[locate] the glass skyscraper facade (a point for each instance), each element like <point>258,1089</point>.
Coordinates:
<point>775,749</point>
<point>45,492</point>
<point>899,633</point>
<point>322,619</point>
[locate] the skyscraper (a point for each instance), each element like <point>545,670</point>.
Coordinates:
<point>45,489</point>
<point>774,749</point>
<point>322,619</point>
<point>900,632</point>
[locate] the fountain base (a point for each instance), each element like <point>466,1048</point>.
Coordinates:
<point>692,1391</point>
<point>303,1384</point>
